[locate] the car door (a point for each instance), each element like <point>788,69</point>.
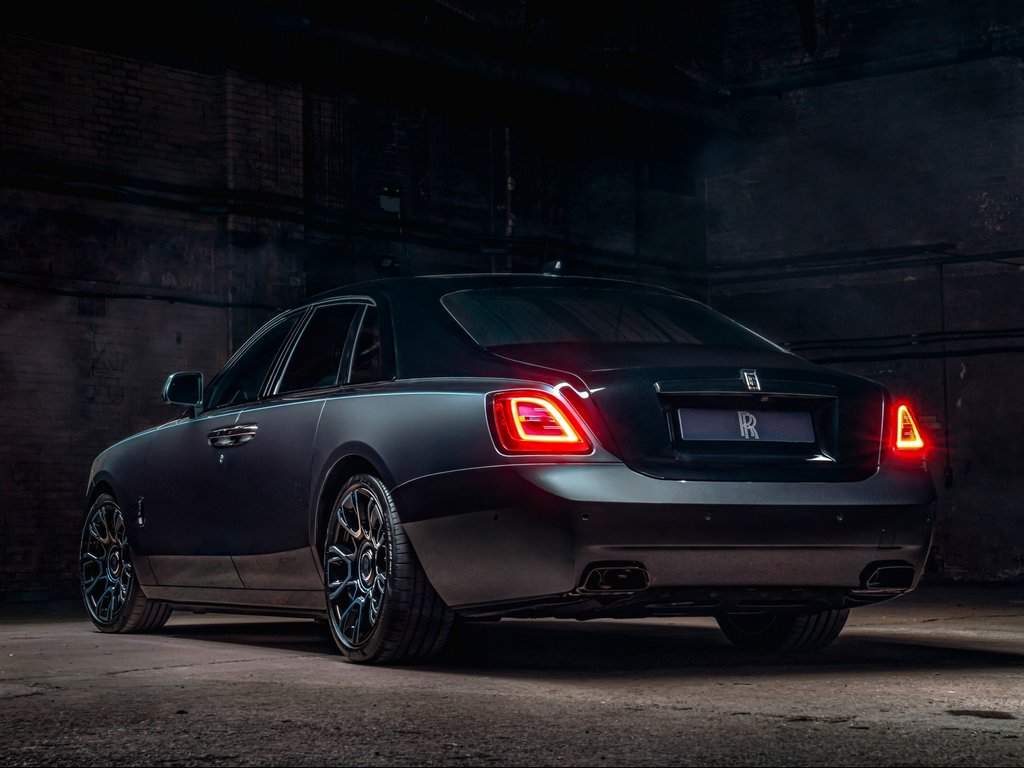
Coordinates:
<point>191,479</point>
<point>269,481</point>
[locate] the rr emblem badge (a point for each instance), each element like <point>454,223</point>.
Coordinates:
<point>751,380</point>
<point>748,422</point>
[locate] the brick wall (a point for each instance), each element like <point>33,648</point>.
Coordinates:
<point>102,112</point>
<point>124,247</point>
<point>76,376</point>
<point>870,203</point>
<point>152,216</point>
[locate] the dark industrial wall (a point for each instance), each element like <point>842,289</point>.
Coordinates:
<point>872,220</point>
<point>842,178</point>
<point>156,207</point>
<point>120,264</point>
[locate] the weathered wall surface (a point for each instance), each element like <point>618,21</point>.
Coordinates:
<point>843,177</point>
<point>120,265</point>
<point>875,223</point>
<point>154,213</point>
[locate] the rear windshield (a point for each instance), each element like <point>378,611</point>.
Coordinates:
<point>506,316</point>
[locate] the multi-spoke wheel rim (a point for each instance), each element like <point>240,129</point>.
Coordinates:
<point>357,560</point>
<point>106,564</point>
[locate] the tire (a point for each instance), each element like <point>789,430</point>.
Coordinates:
<point>110,590</point>
<point>381,607</point>
<point>769,632</point>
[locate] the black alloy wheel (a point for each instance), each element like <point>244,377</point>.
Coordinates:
<point>110,590</point>
<point>381,607</point>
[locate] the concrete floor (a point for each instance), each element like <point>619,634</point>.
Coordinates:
<point>933,678</point>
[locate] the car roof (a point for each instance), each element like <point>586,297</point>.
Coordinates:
<point>428,340</point>
<point>426,286</point>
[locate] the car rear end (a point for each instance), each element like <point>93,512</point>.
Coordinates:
<point>687,466</point>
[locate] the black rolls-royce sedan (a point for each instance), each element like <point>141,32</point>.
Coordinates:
<point>404,453</point>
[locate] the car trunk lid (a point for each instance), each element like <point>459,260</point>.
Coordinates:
<point>680,412</point>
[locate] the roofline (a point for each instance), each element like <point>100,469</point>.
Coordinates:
<point>520,278</point>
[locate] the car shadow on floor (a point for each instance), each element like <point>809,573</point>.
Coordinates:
<point>576,649</point>
<point>694,649</point>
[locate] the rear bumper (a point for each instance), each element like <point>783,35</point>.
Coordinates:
<point>501,537</point>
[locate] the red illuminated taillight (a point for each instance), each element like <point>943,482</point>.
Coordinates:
<point>907,439</point>
<point>534,422</point>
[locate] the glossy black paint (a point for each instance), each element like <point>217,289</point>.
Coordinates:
<point>240,526</point>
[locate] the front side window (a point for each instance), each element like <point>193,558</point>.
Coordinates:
<point>242,378</point>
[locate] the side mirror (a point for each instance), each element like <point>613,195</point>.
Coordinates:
<point>184,389</point>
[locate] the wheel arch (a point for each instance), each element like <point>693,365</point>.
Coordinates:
<point>346,464</point>
<point>98,488</point>
<point>99,485</point>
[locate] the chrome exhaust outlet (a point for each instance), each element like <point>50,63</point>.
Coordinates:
<point>888,575</point>
<point>614,578</point>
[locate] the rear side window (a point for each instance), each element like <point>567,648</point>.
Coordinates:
<point>499,317</point>
<point>316,359</point>
<point>366,359</point>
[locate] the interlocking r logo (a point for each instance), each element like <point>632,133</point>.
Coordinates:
<point>748,422</point>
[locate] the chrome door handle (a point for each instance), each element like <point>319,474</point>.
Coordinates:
<point>226,437</point>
